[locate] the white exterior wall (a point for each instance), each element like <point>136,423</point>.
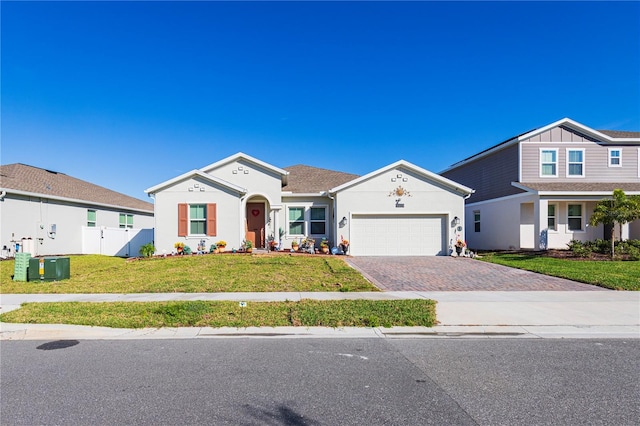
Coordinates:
<point>229,213</point>
<point>306,202</point>
<point>376,196</point>
<point>253,178</point>
<point>521,222</point>
<point>32,217</point>
<point>499,223</point>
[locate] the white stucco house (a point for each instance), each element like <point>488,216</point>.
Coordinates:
<point>45,212</point>
<point>400,209</point>
<point>537,190</point>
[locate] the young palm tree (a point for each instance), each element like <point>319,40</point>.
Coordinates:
<point>619,209</point>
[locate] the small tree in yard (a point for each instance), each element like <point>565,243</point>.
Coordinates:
<point>620,209</point>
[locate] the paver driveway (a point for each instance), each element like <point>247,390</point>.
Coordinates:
<point>444,273</point>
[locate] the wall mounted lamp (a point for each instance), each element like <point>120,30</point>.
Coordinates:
<point>456,220</point>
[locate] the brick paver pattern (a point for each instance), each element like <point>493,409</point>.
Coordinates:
<point>444,273</point>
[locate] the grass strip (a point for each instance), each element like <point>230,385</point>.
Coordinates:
<point>615,275</point>
<point>211,273</point>
<point>306,313</point>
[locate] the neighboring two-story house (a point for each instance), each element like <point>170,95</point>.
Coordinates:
<point>538,190</point>
<point>399,209</point>
<point>44,212</point>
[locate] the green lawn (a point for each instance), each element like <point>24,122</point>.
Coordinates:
<point>616,275</point>
<point>307,313</point>
<point>195,274</point>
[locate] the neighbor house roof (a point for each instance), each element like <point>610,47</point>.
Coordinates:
<point>581,187</point>
<point>620,134</point>
<point>29,180</point>
<point>307,179</point>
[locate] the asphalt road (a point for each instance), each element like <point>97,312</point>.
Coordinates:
<point>282,381</point>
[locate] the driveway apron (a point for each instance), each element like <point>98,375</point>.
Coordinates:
<point>445,273</point>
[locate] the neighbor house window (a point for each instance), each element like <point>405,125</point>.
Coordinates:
<point>126,220</point>
<point>552,211</point>
<point>574,217</point>
<point>318,220</point>
<point>91,218</point>
<point>615,157</point>
<point>476,221</point>
<point>548,162</point>
<point>296,220</point>
<point>197,219</point>
<point>575,162</point>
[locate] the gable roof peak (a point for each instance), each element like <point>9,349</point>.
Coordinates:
<point>242,156</point>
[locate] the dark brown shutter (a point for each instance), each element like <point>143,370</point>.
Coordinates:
<point>211,220</point>
<point>183,220</point>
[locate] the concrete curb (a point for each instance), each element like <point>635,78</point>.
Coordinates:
<point>10,331</point>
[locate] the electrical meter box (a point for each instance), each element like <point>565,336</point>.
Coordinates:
<point>49,268</point>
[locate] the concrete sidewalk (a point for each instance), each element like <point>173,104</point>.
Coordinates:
<point>545,314</point>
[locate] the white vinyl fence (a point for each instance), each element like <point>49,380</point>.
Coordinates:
<point>115,241</point>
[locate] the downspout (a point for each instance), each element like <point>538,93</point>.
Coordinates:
<point>155,224</point>
<point>2,195</point>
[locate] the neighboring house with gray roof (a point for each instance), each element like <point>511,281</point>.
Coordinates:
<point>400,209</point>
<point>538,190</point>
<point>50,213</point>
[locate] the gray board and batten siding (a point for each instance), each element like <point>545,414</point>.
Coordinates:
<point>490,176</point>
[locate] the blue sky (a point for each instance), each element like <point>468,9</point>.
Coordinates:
<point>128,95</point>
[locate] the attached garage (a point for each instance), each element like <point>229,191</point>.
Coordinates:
<point>398,235</point>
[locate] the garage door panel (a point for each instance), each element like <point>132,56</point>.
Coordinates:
<point>401,235</point>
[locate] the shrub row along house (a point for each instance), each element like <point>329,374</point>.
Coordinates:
<point>44,212</point>
<point>538,190</point>
<point>400,209</point>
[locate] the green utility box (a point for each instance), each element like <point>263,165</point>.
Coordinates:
<point>49,268</point>
<point>21,266</point>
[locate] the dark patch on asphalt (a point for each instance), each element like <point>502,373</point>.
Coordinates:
<point>57,344</point>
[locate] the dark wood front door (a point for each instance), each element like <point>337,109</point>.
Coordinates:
<point>255,224</point>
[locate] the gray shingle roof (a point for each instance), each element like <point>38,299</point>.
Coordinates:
<point>583,186</point>
<point>21,177</point>
<point>620,134</point>
<point>307,179</point>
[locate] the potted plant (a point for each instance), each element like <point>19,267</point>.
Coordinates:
<point>344,246</point>
<point>248,246</point>
<point>179,246</point>
<point>294,245</point>
<point>324,246</point>
<point>220,245</point>
<point>460,245</point>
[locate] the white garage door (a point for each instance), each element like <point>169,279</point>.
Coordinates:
<point>402,235</point>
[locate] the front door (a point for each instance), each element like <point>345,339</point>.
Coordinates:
<point>255,224</point>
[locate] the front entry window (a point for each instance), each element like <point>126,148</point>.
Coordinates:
<point>318,220</point>
<point>551,217</point>
<point>296,220</point>
<point>574,217</point>
<point>197,219</point>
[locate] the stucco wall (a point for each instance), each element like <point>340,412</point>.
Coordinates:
<point>520,222</point>
<point>378,195</point>
<point>229,214</point>
<point>32,217</point>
